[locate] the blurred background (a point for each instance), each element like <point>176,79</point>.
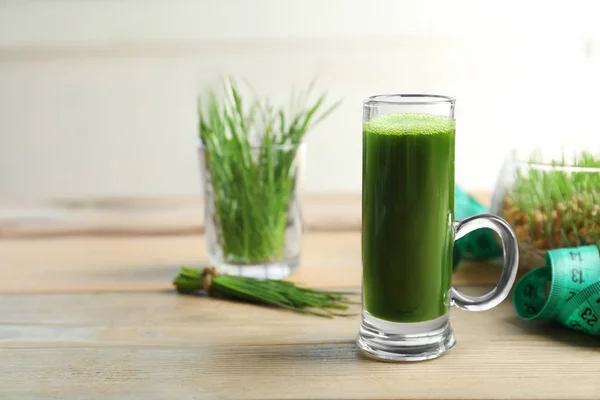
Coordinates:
<point>98,97</point>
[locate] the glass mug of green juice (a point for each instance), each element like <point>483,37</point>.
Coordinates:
<point>408,230</point>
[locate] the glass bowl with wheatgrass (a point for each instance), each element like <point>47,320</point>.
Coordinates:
<point>550,202</point>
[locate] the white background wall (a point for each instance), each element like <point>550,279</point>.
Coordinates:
<point>98,97</point>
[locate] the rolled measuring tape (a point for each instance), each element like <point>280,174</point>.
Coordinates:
<point>565,290</point>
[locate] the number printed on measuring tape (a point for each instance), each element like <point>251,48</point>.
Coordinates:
<point>573,299</point>
<point>577,275</point>
<point>529,295</point>
<point>583,313</point>
<point>572,270</point>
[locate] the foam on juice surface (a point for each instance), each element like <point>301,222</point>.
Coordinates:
<point>410,124</point>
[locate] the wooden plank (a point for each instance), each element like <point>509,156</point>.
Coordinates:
<point>158,345</point>
<point>135,217</point>
<point>179,216</point>
<point>295,372</point>
<point>149,263</point>
<point>175,320</point>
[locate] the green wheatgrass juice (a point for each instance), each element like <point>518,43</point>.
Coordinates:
<point>407,216</point>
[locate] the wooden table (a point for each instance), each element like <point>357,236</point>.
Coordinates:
<point>95,317</point>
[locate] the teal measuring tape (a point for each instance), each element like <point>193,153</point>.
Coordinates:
<point>566,290</point>
<point>477,245</point>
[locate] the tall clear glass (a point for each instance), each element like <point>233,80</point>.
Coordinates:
<point>409,230</point>
<point>252,219</point>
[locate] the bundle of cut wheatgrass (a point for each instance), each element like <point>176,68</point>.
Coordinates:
<point>269,292</point>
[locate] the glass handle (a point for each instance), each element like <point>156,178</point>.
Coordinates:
<point>510,249</point>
